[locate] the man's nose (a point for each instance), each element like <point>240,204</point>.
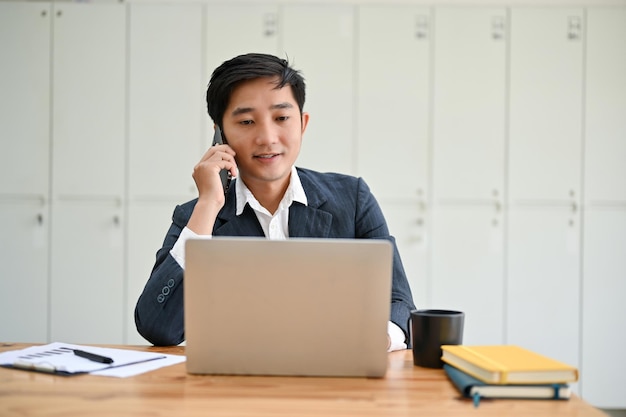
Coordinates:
<point>266,134</point>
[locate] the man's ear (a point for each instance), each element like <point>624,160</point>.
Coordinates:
<point>305,121</point>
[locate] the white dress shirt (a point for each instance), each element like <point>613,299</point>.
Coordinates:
<point>276,227</point>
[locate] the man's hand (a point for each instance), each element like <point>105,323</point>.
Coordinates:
<point>206,175</point>
<point>206,172</point>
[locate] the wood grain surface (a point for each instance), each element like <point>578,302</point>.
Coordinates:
<point>406,390</point>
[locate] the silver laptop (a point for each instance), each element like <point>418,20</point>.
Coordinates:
<point>308,307</point>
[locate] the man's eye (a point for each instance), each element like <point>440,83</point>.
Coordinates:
<point>282,118</point>
<point>245,122</point>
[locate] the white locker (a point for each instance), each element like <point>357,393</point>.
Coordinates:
<point>24,170</point>
<point>545,110</point>
<point>88,173</point>
<point>543,281</point>
<point>167,109</point>
<point>605,109</point>
<point>235,29</point>
<point>469,104</point>
<point>467,268</point>
<point>392,127</point>
<point>89,103</point>
<point>24,255</point>
<point>87,286</point>
<point>544,183</point>
<point>25,102</point>
<point>392,101</point>
<point>167,131</point>
<point>604,264</point>
<point>603,307</point>
<point>319,41</point>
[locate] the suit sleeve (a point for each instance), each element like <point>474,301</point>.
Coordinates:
<point>370,224</point>
<point>159,311</point>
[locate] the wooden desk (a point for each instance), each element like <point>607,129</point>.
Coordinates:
<point>170,391</point>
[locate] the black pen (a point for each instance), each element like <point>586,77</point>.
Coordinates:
<point>92,356</point>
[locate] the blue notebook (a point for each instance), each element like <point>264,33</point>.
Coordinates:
<point>475,389</point>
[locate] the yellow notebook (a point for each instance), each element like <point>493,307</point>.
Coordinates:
<point>508,364</point>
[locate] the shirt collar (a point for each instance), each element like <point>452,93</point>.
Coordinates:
<point>294,192</point>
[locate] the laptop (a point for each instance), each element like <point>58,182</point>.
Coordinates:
<point>302,307</point>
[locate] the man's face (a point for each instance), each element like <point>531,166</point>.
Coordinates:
<point>264,127</point>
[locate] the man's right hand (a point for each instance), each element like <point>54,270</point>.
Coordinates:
<point>206,175</point>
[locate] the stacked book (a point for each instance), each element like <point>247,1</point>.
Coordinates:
<point>506,371</point>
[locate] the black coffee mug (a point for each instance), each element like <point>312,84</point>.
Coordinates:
<point>432,328</point>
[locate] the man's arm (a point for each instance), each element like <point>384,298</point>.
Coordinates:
<point>370,223</point>
<point>159,313</point>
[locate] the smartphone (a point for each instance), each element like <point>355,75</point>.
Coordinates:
<point>219,139</point>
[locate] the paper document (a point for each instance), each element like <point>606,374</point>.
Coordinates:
<point>62,359</point>
<point>140,368</point>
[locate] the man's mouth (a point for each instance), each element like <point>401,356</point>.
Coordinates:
<point>267,156</point>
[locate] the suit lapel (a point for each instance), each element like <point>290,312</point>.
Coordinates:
<point>310,221</point>
<point>229,224</point>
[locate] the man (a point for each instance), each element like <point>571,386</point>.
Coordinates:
<point>257,101</point>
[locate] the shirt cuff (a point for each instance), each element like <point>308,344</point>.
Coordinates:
<point>178,250</point>
<point>398,340</point>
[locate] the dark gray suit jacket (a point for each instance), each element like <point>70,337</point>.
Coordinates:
<point>339,206</point>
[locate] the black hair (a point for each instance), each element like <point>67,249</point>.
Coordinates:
<point>248,67</point>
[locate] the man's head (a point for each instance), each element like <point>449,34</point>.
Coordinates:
<point>248,67</point>
<point>257,100</point>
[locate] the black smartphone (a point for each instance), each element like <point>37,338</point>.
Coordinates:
<point>219,139</point>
